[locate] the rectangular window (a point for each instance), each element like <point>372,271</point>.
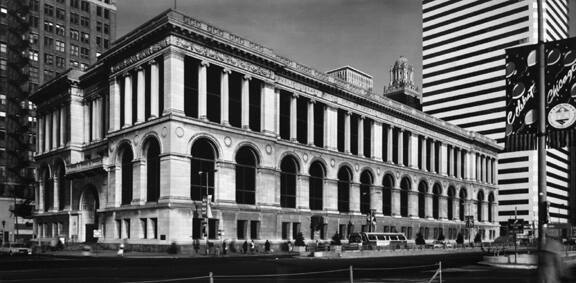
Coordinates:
<point>48,59</point>
<point>74,64</point>
<point>33,55</point>
<point>85,6</point>
<point>75,3</point>
<point>153,228</point>
<point>354,134</point>
<point>319,124</point>
<point>295,229</point>
<point>74,50</point>
<point>74,18</point>
<point>60,30</point>
<point>255,87</point>
<point>85,37</point>
<point>340,131</point>
<point>34,5</point>
<point>285,230</point>
<point>106,29</point>
<point>33,38</point>
<point>84,52</point>
<point>59,62</point>
<point>302,119</point>
<point>59,46</point>
<point>241,227</point>
<point>118,228</point>
<point>99,11</point>
<point>48,75</point>
<point>60,14</point>
<point>48,42</point>
<point>85,22</point>
<point>98,26</point>
<point>126,228</point>
<point>48,26</point>
<point>106,13</point>
<point>285,100</point>
<point>212,229</point>
<point>106,43</point>
<point>74,34</point>
<point>143,228</point>
<point>254,229</point>
<point>48,10</point>
<point>99,41</point>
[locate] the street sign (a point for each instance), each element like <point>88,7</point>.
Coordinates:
<point>516,225</point>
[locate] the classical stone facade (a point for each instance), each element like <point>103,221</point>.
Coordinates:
<point>279,147</point>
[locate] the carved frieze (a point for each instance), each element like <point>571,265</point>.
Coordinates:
<point>140,55</point>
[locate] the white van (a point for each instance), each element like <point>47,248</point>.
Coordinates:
<point>379,239</point>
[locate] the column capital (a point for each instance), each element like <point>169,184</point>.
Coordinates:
<point>204,63</point>
<point>348,113</point>
<point>362,117</point>
<point>312,101</point>
<point>295,95</point>
<point>247,77</point>
<point>226,71</point>
<point>152,61</point>
<point>139,68</point>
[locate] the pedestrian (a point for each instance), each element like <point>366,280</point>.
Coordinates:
<point>224,247</point>
<point>120,250</point>
<point>252,246</point>
<point>289,246</point>
<point>245,247</point>
<point>267,246</point>
<point>196,245</point>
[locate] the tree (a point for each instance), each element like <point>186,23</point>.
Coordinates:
<point>299,241</point>
<point>460,239</point>
<point>420,239</point>
<point>336,240</point>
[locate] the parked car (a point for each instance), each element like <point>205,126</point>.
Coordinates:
<point>438,244</point>
<point>15,249</point>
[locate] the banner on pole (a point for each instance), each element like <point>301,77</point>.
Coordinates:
<point>522,91</point>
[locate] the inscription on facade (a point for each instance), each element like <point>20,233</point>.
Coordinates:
<point>139,56</point>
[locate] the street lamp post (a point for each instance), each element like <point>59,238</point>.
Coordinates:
<point>207,197</point>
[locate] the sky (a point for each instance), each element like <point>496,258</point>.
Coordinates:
<point>368,35</point>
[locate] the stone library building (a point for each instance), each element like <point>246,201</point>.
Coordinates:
<point>182,131</point>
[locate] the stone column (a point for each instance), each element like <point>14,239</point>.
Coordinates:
<point>456,208</point>
<point>48,131</point>
<point>268,113</point>
<point>442,159</point>
<point>114,104</point>
<point>311,122</point>
<point>202,90</point>
<point>331,129</point>
<point>376,199</point>
<point>55,125</point>
<point>174,178</point>
<point>40,145</point>
<point>377,141</point>
<point>489,170</point>
<point>246,102</point>
<point>303,192</point>
<point>483,167</point>
<point>413,199</point>
<point>458,162</point>
<point>226,183</point>
<point>55,189</point>
<point>390,145</point>
<point>401,147</point>
<point>293,116</point>
<point>173,82</point>
<point>277,112</point>
<point>450,160</point>
<point>360,136</point>
<point>413,150</point>
<point>347,135</point>
<point>224,96</point>
<point>396,201</point>
<point>432,154</point>
<point>63,129</point>
<point>127,100</point>
<point>139,177</point>
<point>93,120</point>
<point>494,172</point>
<point>443,208</point>
<point>154,89</point>
<point>429,205</point>
<point>424,153</point>
<point>330,195</point>
<point>87,132</point>
<point>41,192</point>
<point>354,198</point>
<point>478,168</point>
<point>141,101</point>
<point>484,211</point>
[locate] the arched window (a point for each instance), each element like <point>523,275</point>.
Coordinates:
<point>202,169</point>
<point>246,163</point>
<point>153,170</point>
<point>462,203</point>
<point>344,179</point>
<point>288,182</point>
<point>490,207</point>
<point>126,166</point>
<point>48,190</point>
<point>436,191</point>
<point>404,190</point>
<point>366,182</point>
<point>316,186</point>
<point>479,206</point>
<point>388,184</point>
<point>90,204</point>
<point>451,196</point>
<point>422,191</point>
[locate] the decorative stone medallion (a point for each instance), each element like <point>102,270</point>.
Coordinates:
<point>227,141</point>
<point>357,167</point>
<point>268,149</point>
<point>378,171</point>
<point>179,132</point>
<point>136,139</point>
<point>305,157</point>
<point>332,162</point>
<point>164,132</point>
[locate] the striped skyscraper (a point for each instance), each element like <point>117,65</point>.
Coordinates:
<point>464,59</point>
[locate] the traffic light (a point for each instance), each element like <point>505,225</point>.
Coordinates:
<point>544,212</point>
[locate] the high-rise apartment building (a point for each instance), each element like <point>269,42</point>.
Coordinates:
<point>38,40</point>
<point>464,59</point>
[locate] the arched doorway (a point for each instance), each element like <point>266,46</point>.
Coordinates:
<point>366,181</point>
<point>89,204</point>
<point>246,164</point>
<point>316,185</point>
<point>202,166</point>
<point>126,156</point>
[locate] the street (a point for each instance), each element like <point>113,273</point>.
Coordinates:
<point>455,268</point>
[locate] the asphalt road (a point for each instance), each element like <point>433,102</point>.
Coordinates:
<point>456,268</point>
